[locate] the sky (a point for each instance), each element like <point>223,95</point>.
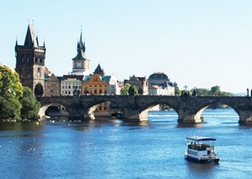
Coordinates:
<point>196,43</point>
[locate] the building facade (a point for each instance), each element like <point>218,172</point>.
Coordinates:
<point>161,83</point>
<point>52,86</point>
<point>139,82</point>
<point>69,83</point>
<point>30,61</point>
<point>158,90</point>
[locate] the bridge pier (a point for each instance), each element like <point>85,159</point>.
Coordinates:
<point>135,115</point>
<point>245,117</point>
<point>189,116</point>
<point>190,120</point>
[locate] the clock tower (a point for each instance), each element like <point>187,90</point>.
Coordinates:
<point>30,61</point>
<point>81,65</point>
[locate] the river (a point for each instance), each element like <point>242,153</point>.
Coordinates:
<point>118,149</point>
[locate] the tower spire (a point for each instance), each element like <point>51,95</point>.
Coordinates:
<point>81,34</point>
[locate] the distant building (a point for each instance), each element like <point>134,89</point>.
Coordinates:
<point>81,65</point>
<point>158,90</point>
<point>69,83</point>
<point>52,86</point>
<point>139,82</point>
<point>30,61</point>
<point>120,85</point>
<point>161,83</point>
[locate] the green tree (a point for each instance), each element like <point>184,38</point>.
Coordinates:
<point>177,91</point>
<point>30,106</point>
<point>10,85</point>
<point>215,90</point>
<point>201,91</point>
<point>125,89</point>
<point>226,94</point>
<point>10,92</point>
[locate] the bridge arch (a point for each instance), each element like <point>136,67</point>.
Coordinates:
<point>148,106</point>
<point>199,113</point>
<point>236,103</point>
<point>92,106</point>
<point>43,108</point>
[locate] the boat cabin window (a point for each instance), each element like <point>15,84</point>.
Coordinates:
<point>198,146</point>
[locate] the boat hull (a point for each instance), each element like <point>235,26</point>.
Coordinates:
<point>203,160</point>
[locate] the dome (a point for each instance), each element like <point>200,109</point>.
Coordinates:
<point>159,79</point>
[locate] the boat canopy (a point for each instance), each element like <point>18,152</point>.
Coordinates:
<point>200,138</point>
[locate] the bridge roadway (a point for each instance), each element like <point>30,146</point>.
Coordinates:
<point>188,108</point>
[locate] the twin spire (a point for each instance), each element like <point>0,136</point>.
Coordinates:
<point>31,40</point>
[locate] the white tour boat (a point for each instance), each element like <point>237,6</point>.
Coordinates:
<point>201,149</point>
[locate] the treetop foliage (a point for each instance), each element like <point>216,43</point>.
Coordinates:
<point>16,102</point>
<point>10,85</point>
<point>214,91</point>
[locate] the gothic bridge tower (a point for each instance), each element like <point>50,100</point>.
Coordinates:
<point>30,61</point>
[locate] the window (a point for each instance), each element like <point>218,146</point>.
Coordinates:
<point>38,72</point>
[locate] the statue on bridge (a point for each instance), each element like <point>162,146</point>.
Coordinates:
<point>86,92</point>
<point>131,91</point>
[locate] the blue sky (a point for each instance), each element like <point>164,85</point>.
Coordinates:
<point>198,43</point>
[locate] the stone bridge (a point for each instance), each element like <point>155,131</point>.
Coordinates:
<point>188,108</point>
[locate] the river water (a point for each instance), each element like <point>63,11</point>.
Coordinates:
<point>117,149</point>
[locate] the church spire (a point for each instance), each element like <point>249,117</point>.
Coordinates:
<point>81,44</point>
<point>30,39</point>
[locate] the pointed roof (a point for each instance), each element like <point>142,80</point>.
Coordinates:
<point>99,70</point>
<point>31,40</point>
<point>81,49</point>
<point>82,44</point>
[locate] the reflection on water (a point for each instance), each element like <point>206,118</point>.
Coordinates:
<point>121,149</point>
